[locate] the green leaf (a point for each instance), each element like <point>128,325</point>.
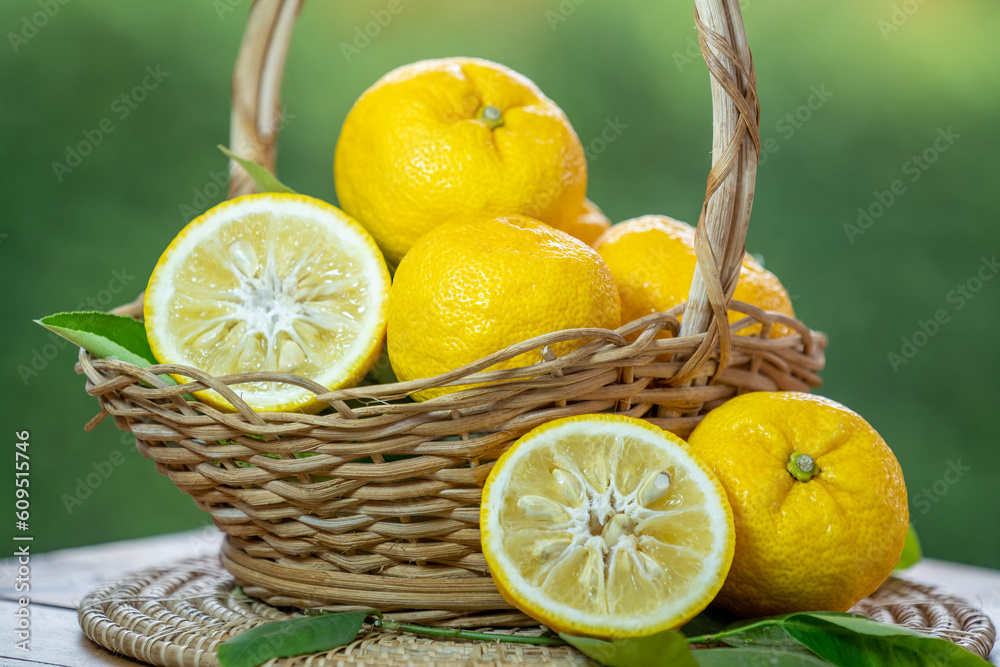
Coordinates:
<point>769,631</point>
<point>756,657</point>
<point>293,637</point>
<point>708,622</point>
<point>911,551</point>
<point>849,642</point>
<point>103,335</point>
<point>262,177</point>
<point>664,648</point>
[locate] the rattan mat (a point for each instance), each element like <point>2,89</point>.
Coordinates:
<point>176,616</point>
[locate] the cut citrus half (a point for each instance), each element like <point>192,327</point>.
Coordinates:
<point>607,526</point>
<point>275,283</point>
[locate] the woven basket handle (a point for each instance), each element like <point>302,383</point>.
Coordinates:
<point>722,227</point>
<point>257,114</point>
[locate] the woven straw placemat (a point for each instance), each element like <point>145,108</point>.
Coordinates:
<point>176,616</point>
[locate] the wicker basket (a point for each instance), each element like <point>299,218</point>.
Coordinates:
<point>385,511</point>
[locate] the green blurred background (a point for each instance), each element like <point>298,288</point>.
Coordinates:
<point>850,92</point>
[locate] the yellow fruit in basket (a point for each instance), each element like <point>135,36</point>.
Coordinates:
<point>471,288</point>
<point>589,225</point>
<point>455,136</point>
<point>819,501</point>
<point>270,282</point>
<point>607,526</point>
<point>652,258</point>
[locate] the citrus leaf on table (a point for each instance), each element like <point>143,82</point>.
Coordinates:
<point>847,642</point>
<point>912,552</point>
<point>292,637</point>
<point>104,335</point>
<point>262,177</point>
<point>755,657</point>
<point>769,631</point>
<point>663,648</point>
<point>709,622</point>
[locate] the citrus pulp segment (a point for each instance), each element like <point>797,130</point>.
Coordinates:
<point>605,525</point>
<point>275,283</point>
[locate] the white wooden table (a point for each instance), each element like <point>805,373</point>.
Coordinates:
<point>60,579</point>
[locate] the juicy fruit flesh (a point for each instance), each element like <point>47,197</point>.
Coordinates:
<point>250,302</point>
<point>270,291</point>
<point>612,525</point>
<point>565,523</point>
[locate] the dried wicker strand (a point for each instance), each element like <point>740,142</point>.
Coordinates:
<point>414,517</point>
<point>719,238</point>
<point>177,615</point>
<point>257,113</point>
<point>725,213</point>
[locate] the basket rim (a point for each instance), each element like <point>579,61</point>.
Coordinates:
<point>606,349</point>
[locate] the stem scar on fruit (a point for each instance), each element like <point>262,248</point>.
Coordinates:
<point>490,115</point>
<point>801,466</point>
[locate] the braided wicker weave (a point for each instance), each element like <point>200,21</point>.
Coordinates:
<point>177,616</point>
<point>376,503</point>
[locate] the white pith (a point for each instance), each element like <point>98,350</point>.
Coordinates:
<point>275,306</point>
<point>619,519</point>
